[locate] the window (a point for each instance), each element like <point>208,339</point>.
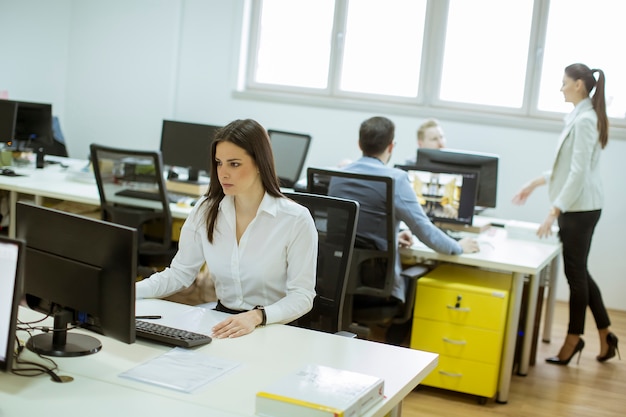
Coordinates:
<point>486,57</point>
<point>383,47</point>
<point>591,33</point>
<point>294,43</point>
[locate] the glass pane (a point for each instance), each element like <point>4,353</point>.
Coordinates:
<point>486,51</point>
<point>295,42</point>
<point>597,42</point>
<point>383,47</point>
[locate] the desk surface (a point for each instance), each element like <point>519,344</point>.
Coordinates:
<point>67,182</point>
<point>497,251</point>
<point>265,355</point>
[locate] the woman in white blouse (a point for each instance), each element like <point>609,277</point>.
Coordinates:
<point>260,247</point>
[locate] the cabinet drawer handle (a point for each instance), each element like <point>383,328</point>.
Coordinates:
<point>463,309</point>
<point>452,374</point>
<point>455,342</point>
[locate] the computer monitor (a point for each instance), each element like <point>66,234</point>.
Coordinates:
<point>187,145</point>
<point>82,271</point>
<point>290,151</point>
<point>11,269</point>
<point>33,125</point>
<point>465,161</point>
<point>8,113</point>
<point>447,197</point>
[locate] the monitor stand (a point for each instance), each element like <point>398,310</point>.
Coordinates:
<point>61,343</point>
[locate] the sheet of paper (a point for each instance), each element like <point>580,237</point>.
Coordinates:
<point>181,369</point>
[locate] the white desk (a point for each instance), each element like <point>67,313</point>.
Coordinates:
<point>21,396</point>
<point>520,258</point>
<point>265,355</point>
<point>54,181</point>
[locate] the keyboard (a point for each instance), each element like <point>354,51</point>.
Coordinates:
<point>453,234</point>
<point>148,195</point>
<point>169,335</point>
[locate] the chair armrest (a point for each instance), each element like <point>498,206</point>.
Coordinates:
<point>415,271</point>
<point>412,273</point>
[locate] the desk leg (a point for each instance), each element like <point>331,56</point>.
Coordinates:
<point>529,329</point>
<point>12,205</point>
<point>547,325</point>
<point>395,411</point>
<point>512,323</point>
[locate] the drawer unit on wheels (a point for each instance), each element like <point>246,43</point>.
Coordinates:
<point>460,313</point>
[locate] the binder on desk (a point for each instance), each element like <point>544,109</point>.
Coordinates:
<point>320,391</point>
<point>478,226</point>
<point>192,188</point>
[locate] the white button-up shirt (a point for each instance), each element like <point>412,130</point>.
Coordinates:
<point>273,265</point>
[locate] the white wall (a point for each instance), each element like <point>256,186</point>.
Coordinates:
<point>34,50</point>
<point>113,70</point>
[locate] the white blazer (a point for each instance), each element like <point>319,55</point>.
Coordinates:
<point>574,182</point>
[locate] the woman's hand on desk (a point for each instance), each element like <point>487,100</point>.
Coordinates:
<point>469,245</point>
<point>237,325</point>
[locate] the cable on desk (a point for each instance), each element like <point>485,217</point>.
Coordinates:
<point>30,368</point>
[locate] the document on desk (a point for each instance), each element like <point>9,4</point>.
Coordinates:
<point>181,370</point>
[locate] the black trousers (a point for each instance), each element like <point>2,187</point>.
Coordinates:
<point>576,232</point>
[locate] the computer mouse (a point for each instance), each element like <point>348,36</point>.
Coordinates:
<point>7,171</point>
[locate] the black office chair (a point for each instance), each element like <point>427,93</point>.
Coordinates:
<point>57,147</point>
<point>335,220</point>
<point>371,279</point>
<point>132,192</point>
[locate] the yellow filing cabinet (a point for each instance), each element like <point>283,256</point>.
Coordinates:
<point>460,313</point>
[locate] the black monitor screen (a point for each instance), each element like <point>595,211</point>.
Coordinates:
<point>82,271</point>
<point>33,124</point>
<point>187,145</point>
<point>8,112</point>
<point>290,152</point>
<point>462,161</point>
<point>446,197</point>
<point>11,260</point>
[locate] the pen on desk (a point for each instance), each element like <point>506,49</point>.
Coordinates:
<point>147,317</point>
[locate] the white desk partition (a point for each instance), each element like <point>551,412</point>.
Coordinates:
<point>264,356</point>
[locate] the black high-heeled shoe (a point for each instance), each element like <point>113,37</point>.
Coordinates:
<point>555,360</point>
<point>611,339</point>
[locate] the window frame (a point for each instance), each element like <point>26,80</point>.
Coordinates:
<point>427,102</point>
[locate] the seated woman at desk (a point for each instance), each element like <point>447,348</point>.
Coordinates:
<point>260,247</point>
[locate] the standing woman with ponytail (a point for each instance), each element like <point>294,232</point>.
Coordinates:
<point>575,191</point>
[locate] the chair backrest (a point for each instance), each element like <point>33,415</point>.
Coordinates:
<point>335,220</point>
<point>132,192</point>
<point>373,262</point>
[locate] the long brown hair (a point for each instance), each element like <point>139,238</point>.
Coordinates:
<point>582,72</point>
<point>253,138</point>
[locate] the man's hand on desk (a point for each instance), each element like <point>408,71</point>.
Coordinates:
<point>469,245</point>
<point>405,239</point>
